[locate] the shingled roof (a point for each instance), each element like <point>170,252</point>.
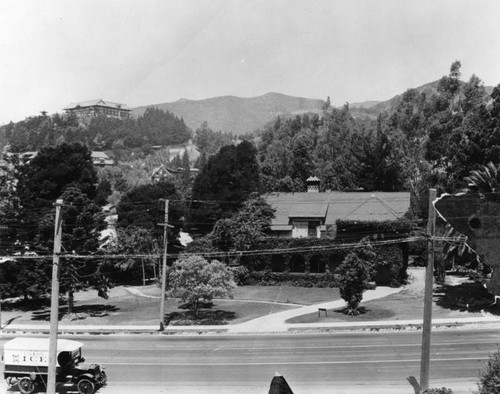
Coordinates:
<point>331,206</point>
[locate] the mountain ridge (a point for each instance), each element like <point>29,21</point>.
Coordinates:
<point>242,115</point>
<point>238,115</point>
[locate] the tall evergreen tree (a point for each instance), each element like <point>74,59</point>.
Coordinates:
<point>228,178</point>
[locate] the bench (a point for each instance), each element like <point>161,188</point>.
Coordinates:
<point>322,310</point>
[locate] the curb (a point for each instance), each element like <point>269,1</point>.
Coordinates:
<point>312,328</point>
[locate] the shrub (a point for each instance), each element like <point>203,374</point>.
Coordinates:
<point>489,376</point>
<point>241,275</point>
<point>442,390</point>
<point>265,278</point>
<point>390,266</point>
<point>354,274</point>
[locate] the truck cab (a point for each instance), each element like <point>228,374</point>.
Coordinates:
<point>27,361</point>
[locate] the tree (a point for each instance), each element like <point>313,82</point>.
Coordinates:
<point>486,181</point>
<point>245,228</point>
<point>57,172</point>
<point>355,272</point>
<point>489,376</point>
<point>10,206</point>
<point>134,240</point>
<point>160,127</point>
<point>333,149</point>
<point>103,192</point>
<point>47,175</point>
<point>222,185</point>
<point>378,165</point>
<point>194,280</point>
<point>209,141</point>
<point>142,207</point>
<point>449,86</point>
<point>83,222</point>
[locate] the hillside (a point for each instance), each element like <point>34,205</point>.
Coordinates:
<point>373,108</point>
<point>236,114</point>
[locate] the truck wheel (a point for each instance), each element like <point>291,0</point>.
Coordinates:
<point>86,386</point>
<point>26,385</point>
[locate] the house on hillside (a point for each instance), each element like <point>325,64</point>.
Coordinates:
<point>314,213</point>
<point>101,159</point>
<point>179,150</point>
<point>99,107</point>
<point>163,172</point>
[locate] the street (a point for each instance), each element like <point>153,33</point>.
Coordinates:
<point>343,362</point>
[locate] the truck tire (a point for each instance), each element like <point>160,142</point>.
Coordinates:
<point>86,386</point>
<point>26,385</point>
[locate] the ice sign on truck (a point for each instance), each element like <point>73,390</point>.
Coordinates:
<point>27,361</point>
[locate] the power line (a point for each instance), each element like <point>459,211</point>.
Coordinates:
<point>240,253</point>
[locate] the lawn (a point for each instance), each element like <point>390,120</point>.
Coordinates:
<point>140,305</point>
<point>457,298</point>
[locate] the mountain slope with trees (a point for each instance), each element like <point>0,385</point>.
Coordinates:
<point>237,115</point>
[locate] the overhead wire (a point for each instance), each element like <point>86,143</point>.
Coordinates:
<point>240,253</point>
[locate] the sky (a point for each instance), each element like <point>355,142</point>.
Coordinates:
<point>140,52</point>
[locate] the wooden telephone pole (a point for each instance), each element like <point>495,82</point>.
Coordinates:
<point>54,301</point>
<point>429,279</point>
<point>164,269</point>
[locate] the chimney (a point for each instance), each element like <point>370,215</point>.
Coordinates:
<point>313,184</point>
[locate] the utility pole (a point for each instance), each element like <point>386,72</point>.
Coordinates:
<point>429,277</point>
<point>54,301</point>
<point>164,269</point>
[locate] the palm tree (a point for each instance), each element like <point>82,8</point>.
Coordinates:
<point>485,181</point>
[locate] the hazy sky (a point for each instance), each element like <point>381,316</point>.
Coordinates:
<point>152,51</point>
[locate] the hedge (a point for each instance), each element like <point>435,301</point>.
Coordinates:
<point>267,278</point>
<point>355,230</point>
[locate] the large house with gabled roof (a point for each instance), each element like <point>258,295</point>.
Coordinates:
<point>314,213</point>
<point>99,107</point>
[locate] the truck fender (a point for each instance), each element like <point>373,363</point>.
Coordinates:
<point>88,376</point>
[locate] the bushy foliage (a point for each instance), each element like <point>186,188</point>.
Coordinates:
<point>390,265</point>
<point>489,376</point>
<point>65,171</point>
<point>355,273</point>
<point>143,207</point>
<point>154,127</point>
<point>129,241</point>
<point>441,390</point>
<point>209,141</point>
<point>245,228</point>
<point>194,280</point>
<point>228,179</point>
<point>266,278</point>
<point>355,230</point>
<point>45,177</point>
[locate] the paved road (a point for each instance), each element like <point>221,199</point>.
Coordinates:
<point>338,363</point>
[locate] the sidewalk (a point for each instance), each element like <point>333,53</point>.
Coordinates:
<point>271,323</point>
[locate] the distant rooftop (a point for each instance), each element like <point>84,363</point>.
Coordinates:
<point>97,103</point>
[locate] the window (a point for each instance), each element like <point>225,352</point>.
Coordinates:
<point>300,229</point>
<point>305,228</point>
<point>312,229</point>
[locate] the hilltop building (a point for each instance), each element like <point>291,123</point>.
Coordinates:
<point>99,107</point>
